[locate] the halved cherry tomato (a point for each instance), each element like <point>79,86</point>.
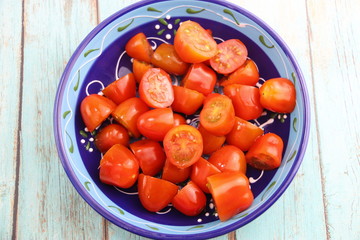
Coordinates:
<point>231,193</point>
<point>178,119</point>
<point>211,142</point>
<point>230,56</point>
<point>155,123</point>
<point>278,95</point>
<point>193,44</point>
<point>110,135</point>
<point>183,145</point>
<point>174,174</point>
<point>155,193</point>
<point>186,101</point>
<point>229,159</point>
<point>150,155</point>
<point>119,167</point>
<point>138,47</point>
<point>95,109</point>
<point>156,88</point>
<point>217,115</point>
<point>246,100</point>
<point>200,78</point>
<point>247,74</point>
<point>140,68</point>
<point>190,200</point>
<point>266,152</point>
<point>127,114</point>
<point>166,58</point>
<point>200,171</point>
<point>121,89</point>
<point>243,134</point>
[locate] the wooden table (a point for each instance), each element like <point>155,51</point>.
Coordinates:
<point>37,201</point>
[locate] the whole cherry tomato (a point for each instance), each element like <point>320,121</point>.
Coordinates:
<point>140,68</point>
<point>178,119</point>
<point>110,135</point>
<point>200,171</point>
<point>229,159</point>
<point>174,174</point>
<point>247,74</point>
<point>121,89</point>
<point>200,78</point>
<point>211,142</point>
<point>138,47</point>
<point>186,101</point>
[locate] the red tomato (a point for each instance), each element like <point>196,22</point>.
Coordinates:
<point>231,193</point>
<point>150,155</point>
<point>266,152</point>
<point>174,174</point>
<point>155,193</point>
<point>186,101</point>
<point>166,58</point>
<point>229,159</point>
<point>217,115</point>
<point>178,120</point>
<point>127,114</point>
<point>156,88</point>
<point>247,74</point>
<point>95,109</point>
<point>119,167</point>
<point>246,100</point>
<point>155,123</point>
<point>243,134</point>
<point>139,48</point>
<point>200,171</point>
<point>231,55</point>
<point>110,135</point>
<point>193,44</point>
<point>278,95</point>
<point>190,200</point>
<point>140,68</point>
<point>183,145</point>
<point>211,142</point>
<point>200,78</point>
<point>121,89</point>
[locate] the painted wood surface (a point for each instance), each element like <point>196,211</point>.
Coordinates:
<point>37,201</point>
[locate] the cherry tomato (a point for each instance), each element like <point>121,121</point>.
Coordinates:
<point>150,155</point>
<point>230,56</point>
<point>278,95</point>
<point>174,174</point>
<point>155,193</point>
<point>155,123</point>
<point>243,134</point>
<point>186,101</point>
<point>138,47</point>
<point>183,145</point>
<point>166,58</point>
<point>110,135</point>
<point>156,88</point>
<point>200,171</point>
<point>121,89</point>
<point>193,44</point>
<point>217,115</point>
<point>190,200</point>
<point>178,120</point>
<point>127,114</point>
<point>200,78</point>
<point>211,142</point>
<point>119,167</point>
<point>229,159</point>
<point>140,68</point>
<point>246,100</point>
<point>231,193</point>
<point>247,74</point>
<point>266,152</point>
<point>95,109</point>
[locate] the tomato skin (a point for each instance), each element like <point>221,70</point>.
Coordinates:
<point>266,152</point>
<point>95,109</point>
<point>174,174</point>
<point>183,145</point>
<point>190,200</point>
<point>166,58</point>
<point>139,48</point>
<point>155,123</point>
<point>179,119</point>
<point>200,171</point>
<point>246,100</point>
<point>229,159</point>
<point>211,142</point>
<point>155,193</point>
<point>247,74</point>
<point>186,101</point>
<point>121,89</point>
<point>139,69</point>
<point>110,135</point>
<point>193,43</point>
<point>278,95</point>
<point>200,78</point>
<point>226,186</point>
<point>127,114</point>
<point>119,167</point>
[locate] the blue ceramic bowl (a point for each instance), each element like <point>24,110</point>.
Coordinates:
<point>101,59</point>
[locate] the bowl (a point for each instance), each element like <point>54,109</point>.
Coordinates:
<point>101,59</point>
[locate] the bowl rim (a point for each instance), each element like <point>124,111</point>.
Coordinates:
<point>147,233</point>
